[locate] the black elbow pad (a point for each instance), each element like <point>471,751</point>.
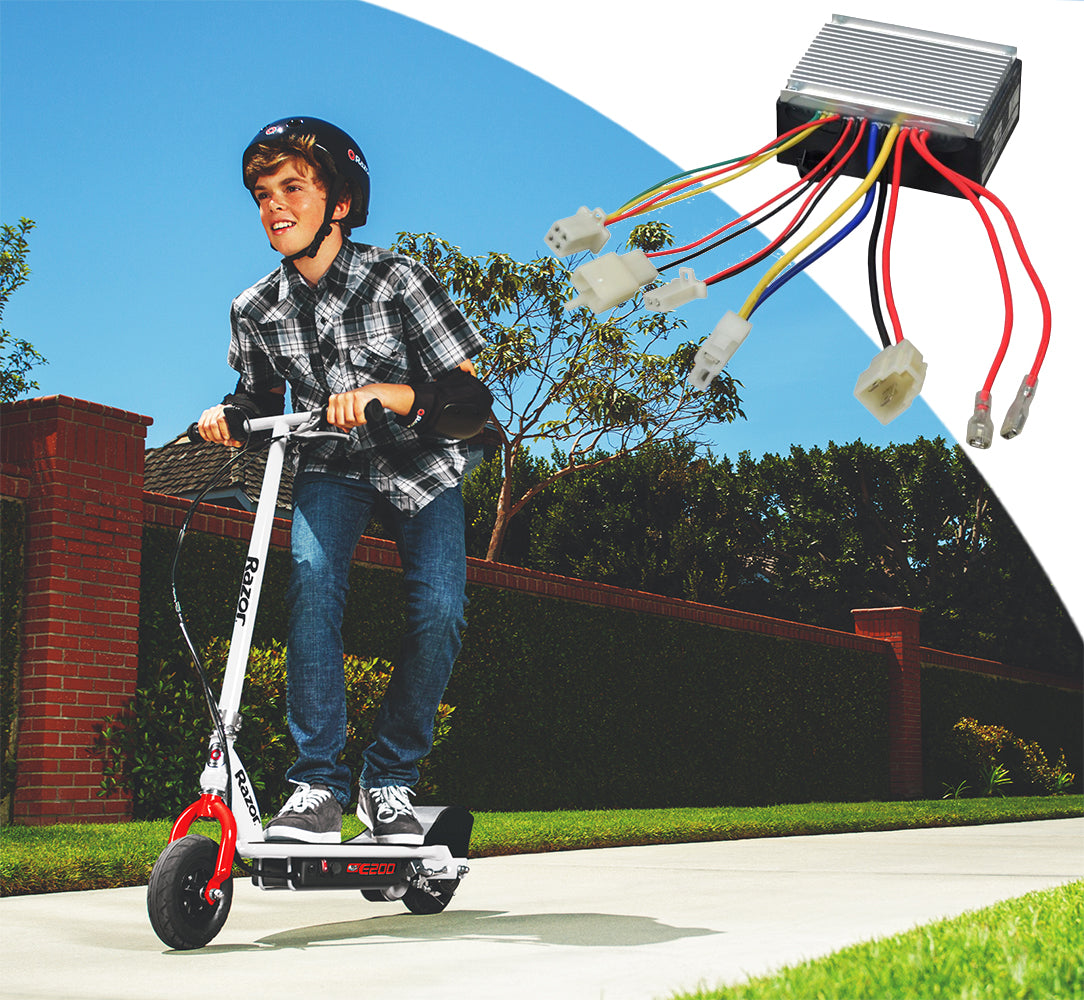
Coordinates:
<point>455,405</point>
<point>256,404</point>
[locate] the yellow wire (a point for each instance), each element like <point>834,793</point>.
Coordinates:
<point>862,188</point>
<point>763,158</point>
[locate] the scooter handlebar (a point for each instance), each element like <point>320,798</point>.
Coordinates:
<point>241,427</point>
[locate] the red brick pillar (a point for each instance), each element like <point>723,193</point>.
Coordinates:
<point>80,626</point>
<point>900,628</point>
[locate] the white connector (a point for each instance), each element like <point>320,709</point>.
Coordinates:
<point>582,231</point>
<point>1018,412</point>
<point>607,281</point>
<point>980,428</point>
<point>718,348</point>
<point>891,383</point>
<point>676,292</point>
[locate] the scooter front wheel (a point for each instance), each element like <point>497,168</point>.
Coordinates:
<point>179,911</point>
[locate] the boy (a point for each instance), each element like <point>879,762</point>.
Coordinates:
<point>345,325</point>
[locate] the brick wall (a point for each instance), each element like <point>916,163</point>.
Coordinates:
<point>80,477</point>
<point>78,469</point>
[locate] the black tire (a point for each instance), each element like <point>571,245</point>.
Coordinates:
<point>422,902</point>
<point>179,914</point>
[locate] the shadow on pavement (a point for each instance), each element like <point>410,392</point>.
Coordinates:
<point>587,930</point>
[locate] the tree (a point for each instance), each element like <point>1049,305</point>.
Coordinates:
<point>570,380</point>
<point>912,524</point>
<point>807,536</point>
<point>17,356</point>
<point>651,521</point>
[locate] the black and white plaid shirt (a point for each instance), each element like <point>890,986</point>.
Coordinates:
<point>375,316</point>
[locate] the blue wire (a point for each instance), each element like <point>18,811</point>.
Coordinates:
<point>779,282</point>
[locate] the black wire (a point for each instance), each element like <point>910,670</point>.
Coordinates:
<point>212,706</point>
<point>871,264</point>
<point>769,250</point>
<point>740,232</point>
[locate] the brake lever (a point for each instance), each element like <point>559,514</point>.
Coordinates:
<point>318,429</point>
<point>318,434</point>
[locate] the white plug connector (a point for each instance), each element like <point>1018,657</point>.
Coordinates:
<point>980,428</point>
<point>1018,412</point>
<point>582,231</point>
<point>676,292</point>
<point>609,280</point>
<point>892,381</point>
<point>718,348</point>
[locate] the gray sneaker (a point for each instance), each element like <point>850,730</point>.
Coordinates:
<point>387,812</point>
<point>311,815</point>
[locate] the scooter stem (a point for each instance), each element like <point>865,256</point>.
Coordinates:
<point>244,621</point>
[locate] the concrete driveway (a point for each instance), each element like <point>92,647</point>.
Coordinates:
<point>619,924</point>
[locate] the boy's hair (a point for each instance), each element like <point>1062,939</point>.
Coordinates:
<point>267,157</point>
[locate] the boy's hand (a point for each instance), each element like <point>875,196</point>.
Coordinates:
<point>347,410</point>
<point>212,427</point>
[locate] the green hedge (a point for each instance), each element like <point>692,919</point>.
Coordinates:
<point>563,705</point>
<point>566,705</point>
<point>12,549</point>
<point>1054,719</point>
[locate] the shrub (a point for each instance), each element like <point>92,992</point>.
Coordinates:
<point>154,749</point>
<point>996,758</point>
<point>979,746</point>
<point>1043,776</point>
<point>1030,711</point>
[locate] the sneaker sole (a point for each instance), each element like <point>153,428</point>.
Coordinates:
<point>302,836</point>
<point>401,839</point>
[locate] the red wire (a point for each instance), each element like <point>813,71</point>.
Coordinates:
<point>722,275</point>
<point>638,209</point>
<point>962,184</point>
<point>801,180</point>
<point>886,244</point>
<point>1044,301</point>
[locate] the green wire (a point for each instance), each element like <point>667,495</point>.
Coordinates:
<point>686,173</point>
<point>689,173</point>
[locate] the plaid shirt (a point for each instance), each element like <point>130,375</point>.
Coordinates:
<point>375,316</point>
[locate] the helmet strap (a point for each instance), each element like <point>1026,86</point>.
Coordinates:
<point>333,196</point>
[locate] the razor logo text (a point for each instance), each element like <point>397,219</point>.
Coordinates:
<point>251,566</point>
<point>246,793</point>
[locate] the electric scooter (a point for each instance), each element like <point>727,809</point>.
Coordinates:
<point>191,887</point>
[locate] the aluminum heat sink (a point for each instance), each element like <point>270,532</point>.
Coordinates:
<point>965,92</point>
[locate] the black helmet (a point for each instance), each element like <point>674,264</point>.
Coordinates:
<point>346,159</point>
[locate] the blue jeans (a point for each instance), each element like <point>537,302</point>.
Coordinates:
<point>330,514</point>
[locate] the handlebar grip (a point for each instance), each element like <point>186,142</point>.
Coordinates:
<point>374,412</point>
<point>236,421</point>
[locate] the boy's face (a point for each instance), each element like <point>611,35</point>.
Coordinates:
<point>292,203</point>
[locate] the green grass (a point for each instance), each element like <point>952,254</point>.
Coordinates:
<point>1029,947</point>
<point>97,856</point>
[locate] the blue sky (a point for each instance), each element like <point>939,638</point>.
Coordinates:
<point>135,265</point>
<point>121,134</point>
